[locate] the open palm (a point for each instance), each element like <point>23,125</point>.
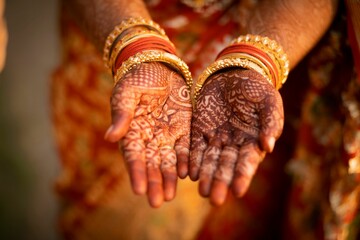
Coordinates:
<point>238,117</point>
<point>151,114</point>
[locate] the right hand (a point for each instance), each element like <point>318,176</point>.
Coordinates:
<point>151,114</point>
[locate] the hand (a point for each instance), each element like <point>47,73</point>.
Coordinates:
<point>237,119</point>
<point>151,114</point>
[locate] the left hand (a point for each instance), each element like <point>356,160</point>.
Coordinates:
<point>238,117</point>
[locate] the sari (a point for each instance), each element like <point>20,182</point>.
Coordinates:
<point>304,189</point>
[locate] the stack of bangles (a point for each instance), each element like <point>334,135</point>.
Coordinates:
<point>254,52</point>
<point>137,40</point>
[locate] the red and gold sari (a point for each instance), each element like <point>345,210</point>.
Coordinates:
<point>320,146</point>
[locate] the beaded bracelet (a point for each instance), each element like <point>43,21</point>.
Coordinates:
<point>124,25</point>
<point>154,56</point>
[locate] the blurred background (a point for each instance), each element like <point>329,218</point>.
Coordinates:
<point>28,161</point>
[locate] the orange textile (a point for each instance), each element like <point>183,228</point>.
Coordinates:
<point>321,140</point>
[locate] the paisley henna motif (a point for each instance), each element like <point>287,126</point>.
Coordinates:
<point>151,112</point>
<point>236,121</point>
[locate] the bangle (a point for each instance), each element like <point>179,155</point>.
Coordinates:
<point>273,50</point>
<point>254,64</point>
<point>124,25</point>
<point>257,53</point>
<point>143,44</point>
<point>154,56</point>
<point>257,56</point>
<point>128,40</point>
<point>123,42</point>
<point>229,61</point>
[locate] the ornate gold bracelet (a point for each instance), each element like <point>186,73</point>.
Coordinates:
<point>239,59</point>
<point>154,56</point>
<point>130,38</point>
<point>256,65</point>
<point>227,62</point>
<point>273,50</point>
<point>124,25</point>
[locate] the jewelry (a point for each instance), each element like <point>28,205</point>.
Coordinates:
<point>131,38</point>
<point>124,25</point>
<point>154,56</point>
<point>227,62</point>
<point>259,66</point>
<point>143,44</point>
<point>256,55</point>
<point>273,50</point>
<point>271,61</point>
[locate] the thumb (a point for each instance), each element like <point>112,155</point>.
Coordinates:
<point>267,142</point>
<point>272,123</point>
<point>123,104</point>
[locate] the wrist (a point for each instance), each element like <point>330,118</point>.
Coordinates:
<point>257,53</point>
<point>136,41</point>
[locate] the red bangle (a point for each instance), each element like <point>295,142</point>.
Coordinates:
<point>147,43</point>
<point>255,52</point>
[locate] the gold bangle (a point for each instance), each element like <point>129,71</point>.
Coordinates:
<point>130,38</point>
<point>124,25</point>
<point>227,62</point>
<point>154,56</point>
<point>273,50</point>
<point>259,66</point>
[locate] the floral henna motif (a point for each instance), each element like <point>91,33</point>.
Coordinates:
<point>212,112</point>
<point>238,117</point>
<point>155,102</point>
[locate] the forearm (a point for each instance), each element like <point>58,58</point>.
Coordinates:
<point>99,17</point>
<point>295,25</point>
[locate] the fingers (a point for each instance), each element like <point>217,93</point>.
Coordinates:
<point>168,169</point>
<point>267,142</point>
<point>208,166</point>
<point>198,147</point>
<point>161,173</point>
<point>123,104</point>
<point>155,181</point>
<point>272,122</point>
<point>223,175</point>
<point>134,155</point>
<point>247,163</point>
<point>182,153</point>
<point>152,169</point>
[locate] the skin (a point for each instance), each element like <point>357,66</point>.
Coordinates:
<point>154,102</point>
<point>240,128</point>
<point>237,119</point>
<point>224,153</point>
<point>150,106</point>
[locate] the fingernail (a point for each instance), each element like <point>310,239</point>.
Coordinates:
<point>194,174</point>
<point>271,144</point>
<point>110,129</point>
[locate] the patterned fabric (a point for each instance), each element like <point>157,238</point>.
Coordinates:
<point>321,137</point>
<point>325,197</point>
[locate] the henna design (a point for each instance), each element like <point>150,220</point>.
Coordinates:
<point>156,102</point>
<point>238,113</point>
